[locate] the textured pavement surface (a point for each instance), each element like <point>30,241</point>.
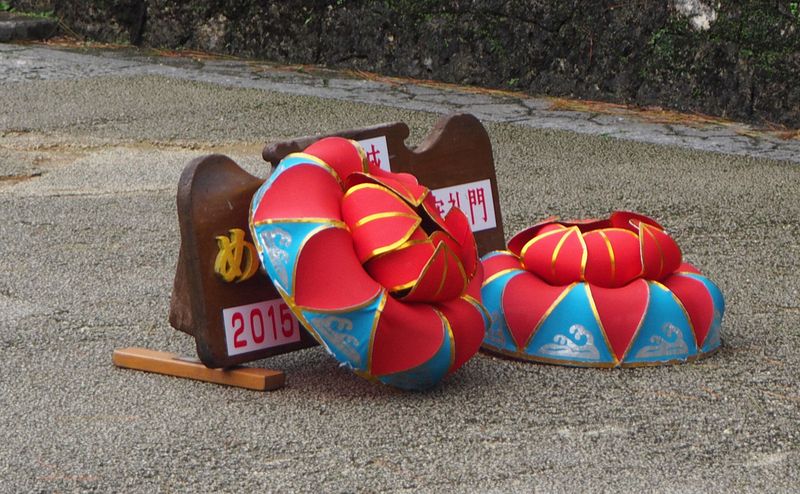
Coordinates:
<point>91,148</point>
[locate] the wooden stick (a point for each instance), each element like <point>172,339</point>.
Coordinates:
<point>171,364</point>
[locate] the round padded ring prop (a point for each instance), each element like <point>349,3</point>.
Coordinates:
<point>599,293</point>
<point>368,265</point>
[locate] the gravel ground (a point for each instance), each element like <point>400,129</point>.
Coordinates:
<point>88,172</point>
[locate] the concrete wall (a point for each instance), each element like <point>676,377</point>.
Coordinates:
<point>736,59</point>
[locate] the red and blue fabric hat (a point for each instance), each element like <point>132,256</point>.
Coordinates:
<point>364,260</point>
<point>599,293</point>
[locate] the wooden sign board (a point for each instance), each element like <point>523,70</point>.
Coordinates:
<point>229,306</point>
<point>213,298</point>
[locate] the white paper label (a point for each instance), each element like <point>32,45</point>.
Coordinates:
<point>377,152</point>
<point>261,325</point>
<point>474,199</point>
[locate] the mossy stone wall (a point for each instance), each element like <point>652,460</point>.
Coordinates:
<point>745,64</point>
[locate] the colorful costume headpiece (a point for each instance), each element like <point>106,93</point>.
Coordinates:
<point>600,293</point>
<point>364,260</point>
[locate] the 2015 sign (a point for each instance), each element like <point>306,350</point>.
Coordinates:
<point>261,325</point>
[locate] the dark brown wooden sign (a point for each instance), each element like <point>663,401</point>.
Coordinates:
<point>229,306</point>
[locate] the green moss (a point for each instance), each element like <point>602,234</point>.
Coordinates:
<point>487,34</point>
<point>7,7</point>
<point>765,34</point>
<point>668,45</point>
<point>759,33</point>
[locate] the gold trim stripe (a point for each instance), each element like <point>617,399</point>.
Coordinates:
<point>396,244</point>
<point>323,221</point>
<point>535,239</point>
<point>557,250</point>
<point>362,153</point>
<point>313,160</point>
<point>448,333</point>
<point>584,255</point>
<point>300,248</point>
<point>641,323</point>
<point>573,363</point>
<point>406,245</point>
<point>521,355</point>
<point>445,270</point>
<point>500,274</point>
<point>406,286</point>
<point>426,268</point>
<point>646,229</point>
<point>685,312</point>
<point>611,257</point>
<point>380,187</point>
<point>380,216</point>
<point>596,314</point>
<point>546,314</point>
<point>478,306</point>
<point>496,253</point>
<point>416,201</point>
<point>374,330</point>
<point>345,310</point>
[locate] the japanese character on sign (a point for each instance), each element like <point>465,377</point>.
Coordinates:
<point>454,200</point>
<point>377,152</point>
<point>373,156</point>
<point>439,204</point>
<point>233,251</point>
<point>478,195</point>
<point>477,199</point>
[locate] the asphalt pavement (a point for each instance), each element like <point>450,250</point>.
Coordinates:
<point>92,143</point>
